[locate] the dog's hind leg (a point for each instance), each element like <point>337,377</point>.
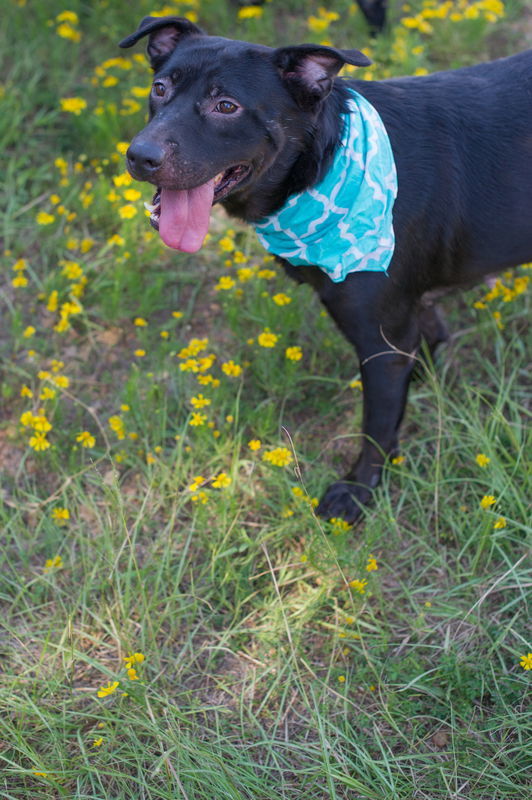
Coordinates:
<point>380,320</point>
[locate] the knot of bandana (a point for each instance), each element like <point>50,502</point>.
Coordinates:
<point>343,224</point>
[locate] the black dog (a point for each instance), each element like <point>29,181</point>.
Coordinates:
<point>250,126</point>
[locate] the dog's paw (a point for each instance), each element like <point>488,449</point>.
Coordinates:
<point>343,500</point>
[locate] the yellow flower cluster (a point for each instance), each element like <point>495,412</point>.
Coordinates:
<point>231,369</point>
<point>116,423</point>
<point>506,293</point>
<point>279,456</point>
<point>67,26</point>
<point>20,279</point>
<point>40,425</point>
<point>320,22</point>
<point>73,105</point>
<point>339,525</point>
<point>250,12</point>
<point>267,338</point>
<point>455,11</point>
<point>294,353</point>
<point>53,563</point>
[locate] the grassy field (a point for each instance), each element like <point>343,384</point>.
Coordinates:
<point>174,620</point>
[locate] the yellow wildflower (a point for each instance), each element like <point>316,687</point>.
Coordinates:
<point>19,281</point>
<point>225,283</point>
<point>105,691</point>
<point>134,658</point>
<point>28,332</point>
<point>41,424</point>
<point>60,515</point>
<point>27,419</point>
<point>66,31</point>
<point>128,211</point>
<point>200,497</point>
<point>226,244</point>
<point>140,91</point>
<point>197,419</point>
<point>39,442</point>
<point>43,218</point>
<point>222,481</point>
<point>487,501</point>
<point>526,661</point>
<point>71,270</point>
<point>267,274</point>
<point>482,460</point>
<point>53,563</point>
<point>281,299</point>
<point>279,456</point>
<point>294,353</point>
<point>124,179</point>
<point>200,401</point>
<point>117,425</point>
<point>372,564</point>
<point>499,523</point>
<point>254,444</point>
<point>74,105</point>
<point>86,439</point>
<point>358,586</point>
<point>231,369</point>
<point>250,12</point>
<point>194,347</point>
<point>339,525</point>
<point>267,338</point>
<point>68,16</point>
<point>196,483</point>
<point>62,381</point>
<point>53,301</point>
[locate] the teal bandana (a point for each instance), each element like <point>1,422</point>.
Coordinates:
<point>344,223</point>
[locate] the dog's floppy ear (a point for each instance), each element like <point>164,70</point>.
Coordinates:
<point>164,33</point>
<point>309,69</point>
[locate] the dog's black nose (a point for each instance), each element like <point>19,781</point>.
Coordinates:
<point>144,158</point>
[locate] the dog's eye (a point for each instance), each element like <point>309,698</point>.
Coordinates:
<point>226,107</point>
<point>159,89</point>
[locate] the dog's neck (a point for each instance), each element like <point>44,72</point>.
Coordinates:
<point>301,163</point>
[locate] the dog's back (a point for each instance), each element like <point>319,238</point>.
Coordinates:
<point>462,141</point>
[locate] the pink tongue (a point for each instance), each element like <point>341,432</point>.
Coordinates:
<point>184,219</point>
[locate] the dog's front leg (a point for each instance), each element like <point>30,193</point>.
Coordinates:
<point>381,322</point>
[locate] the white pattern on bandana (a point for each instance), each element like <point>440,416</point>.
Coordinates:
<point>344,223</point>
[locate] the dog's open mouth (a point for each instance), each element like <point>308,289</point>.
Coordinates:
<point>182,215</point>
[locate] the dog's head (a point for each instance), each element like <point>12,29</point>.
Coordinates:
<point>221,113</point>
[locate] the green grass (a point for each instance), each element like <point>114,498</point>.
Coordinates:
<point>266,674</point>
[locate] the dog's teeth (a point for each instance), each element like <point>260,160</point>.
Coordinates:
<point>149,207</point>
<point>218,178</point>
